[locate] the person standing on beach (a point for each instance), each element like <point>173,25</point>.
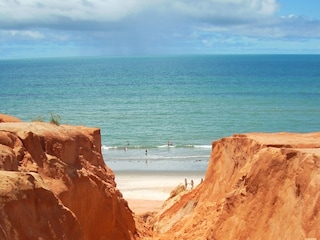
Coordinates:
<point>146,153</point>
<point>185,183</point>
<point>192,184</point>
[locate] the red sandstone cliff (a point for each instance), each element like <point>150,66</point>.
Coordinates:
<point>29,210</point>
<point>257,186</point>
<point>59,183</point>
<point>55,185</point>
<point>8,118</point>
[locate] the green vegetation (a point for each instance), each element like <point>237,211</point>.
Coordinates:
<point>55,119</point>
<point>38,119</point>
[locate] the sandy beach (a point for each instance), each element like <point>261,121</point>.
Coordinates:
<point>147,191</point>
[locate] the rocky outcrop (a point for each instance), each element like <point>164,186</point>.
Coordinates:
<point>54,184</point>
<point>8,118</point>
<point>257,186</point>
<point>29,210</point>
<point>66,166</point>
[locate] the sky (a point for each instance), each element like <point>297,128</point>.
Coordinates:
<point>59,28</point>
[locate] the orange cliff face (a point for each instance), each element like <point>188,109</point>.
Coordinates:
<point>29,210</point>
<point>58,173</point>
<point>54,184</point>
<point>8,118</point>
<point>257,186</point>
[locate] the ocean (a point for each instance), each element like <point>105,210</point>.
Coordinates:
<point>161,113</point>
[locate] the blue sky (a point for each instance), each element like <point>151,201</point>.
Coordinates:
<point>57,28</point>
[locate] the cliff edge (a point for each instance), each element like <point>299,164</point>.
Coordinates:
<point>257,186</point>
<point>54,184</point>
<point>58,184</point>
<point>8,118</point>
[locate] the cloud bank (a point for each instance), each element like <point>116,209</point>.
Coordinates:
<point>91,27</point>
<point>61,14</point>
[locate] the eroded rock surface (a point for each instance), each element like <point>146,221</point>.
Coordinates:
<point>54,184</point>
<point>29,210</point>
<point>69,162</point>
<point>257,186</point>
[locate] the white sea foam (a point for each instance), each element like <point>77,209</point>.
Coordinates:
<point>201,146</point>
<point>104,147</point>
<point>164,159</point>
<point>166,146</point>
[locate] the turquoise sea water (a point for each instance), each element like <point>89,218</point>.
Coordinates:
<point>143,102</point>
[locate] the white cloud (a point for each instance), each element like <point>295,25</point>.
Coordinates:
<point>232,9</point>
<point>147,25</point>
<point>25,34</point>
<point>54,12</point>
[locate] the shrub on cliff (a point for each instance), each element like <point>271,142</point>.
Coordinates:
<point>55,119</point>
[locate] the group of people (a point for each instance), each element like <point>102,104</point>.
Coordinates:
<point>191,183</point>
<point>186,183</point>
